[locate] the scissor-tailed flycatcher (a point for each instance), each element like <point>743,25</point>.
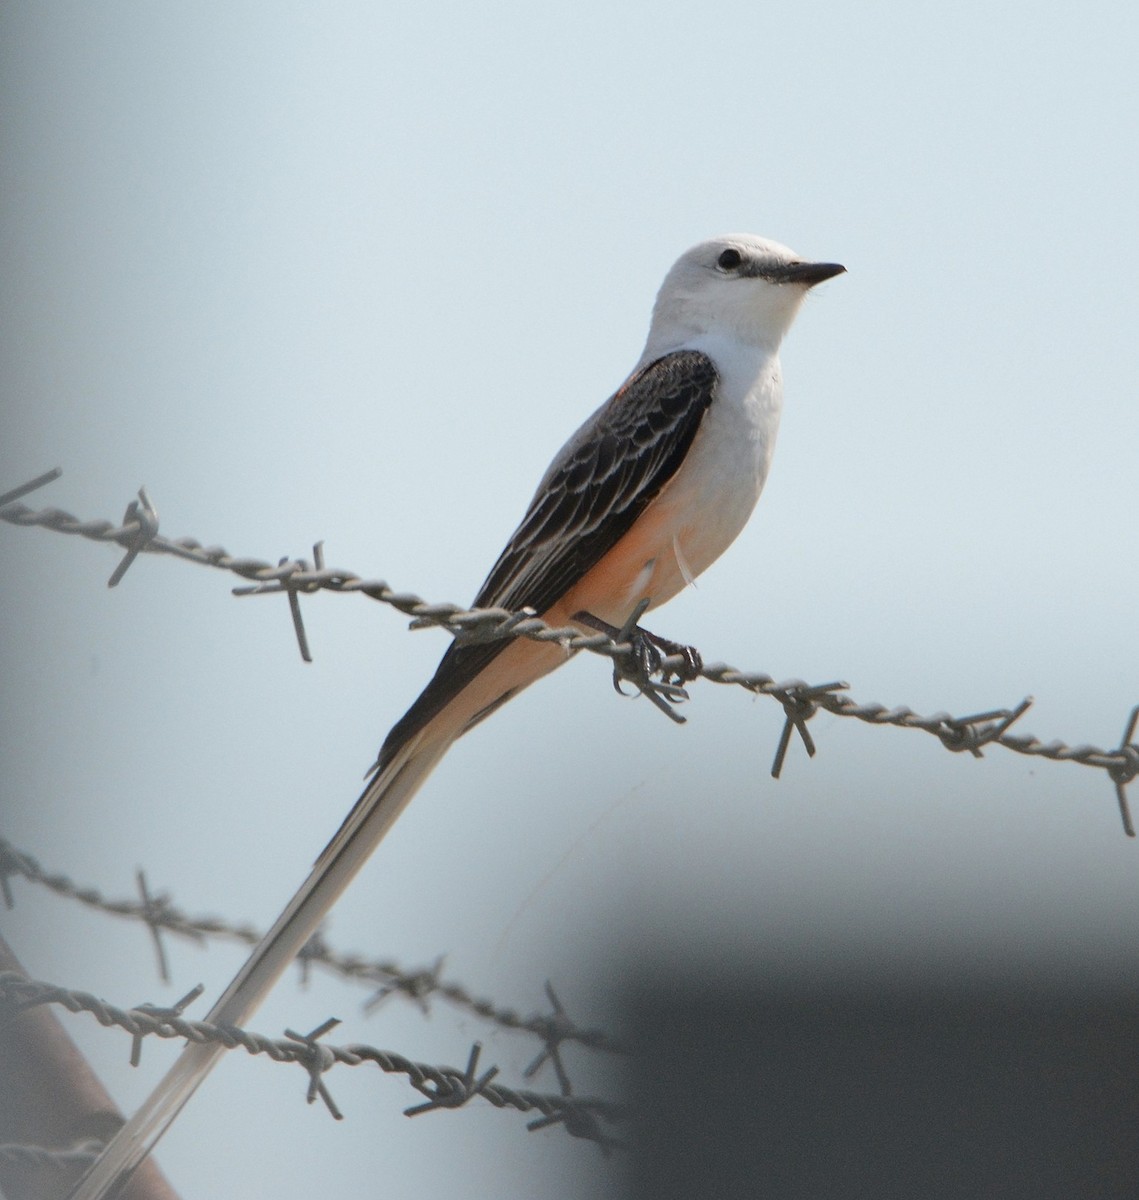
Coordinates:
<point>647,493</point>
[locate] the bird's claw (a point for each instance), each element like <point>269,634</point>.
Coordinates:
<point>643,664</point>
<point>688,669</point>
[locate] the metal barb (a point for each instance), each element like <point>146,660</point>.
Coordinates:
<point>1009,719</point>
<point>664,696</point>
<point>557,1029</point>
<point>798,708</point>
<point>1123,772</point>
<point>161,1013</point>
<point>480,634</point>
<point>316,1060</point>
<point>316,949</point>
<point>143,513</point>
<point>579,1123</point>
<point>417,985</point>
<point>626,631</point>
<point>458,1090</point>
<point>154,913</point>
<point>1124,809</point>
<point>974,732</point>
<point>298,620</point>
<point>286,581</point>
<point>32,484</point>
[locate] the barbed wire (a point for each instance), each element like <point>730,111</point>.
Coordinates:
<point>61,1158</point>
<point>138,534</point>
<point>384,976</point>
<point>443,1087</point>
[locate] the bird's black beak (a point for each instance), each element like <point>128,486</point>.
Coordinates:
<point>808,273</point>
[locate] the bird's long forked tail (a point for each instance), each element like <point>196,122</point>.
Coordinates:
<point>375,813</point>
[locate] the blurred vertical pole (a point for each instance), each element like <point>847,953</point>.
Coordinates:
<point>50,1097</point>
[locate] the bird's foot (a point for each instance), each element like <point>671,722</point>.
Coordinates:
<point>686,670</point>
<point>644,664</point>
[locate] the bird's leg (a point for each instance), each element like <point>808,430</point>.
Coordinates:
<point>644,658</point>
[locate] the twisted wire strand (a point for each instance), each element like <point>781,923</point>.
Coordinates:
<point>138,533</point>
<point>384,974</point>
<point>446,1087</point>
<point>62,1158</point>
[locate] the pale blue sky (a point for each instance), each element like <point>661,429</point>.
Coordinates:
<point>345,272</point>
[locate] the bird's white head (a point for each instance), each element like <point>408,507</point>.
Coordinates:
<point>739,286</point>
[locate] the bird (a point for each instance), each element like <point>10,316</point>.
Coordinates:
<point>648,492</point>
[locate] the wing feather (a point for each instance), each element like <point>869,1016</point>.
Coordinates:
<point>593,492</point>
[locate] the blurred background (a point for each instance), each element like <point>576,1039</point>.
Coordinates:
<point>354,272</point>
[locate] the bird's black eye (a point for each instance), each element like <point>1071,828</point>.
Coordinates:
<point>729,260</point>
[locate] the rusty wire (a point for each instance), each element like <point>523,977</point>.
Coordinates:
<point>138,533</point>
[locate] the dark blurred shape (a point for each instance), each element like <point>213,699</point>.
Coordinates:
<point>1022,1086</point>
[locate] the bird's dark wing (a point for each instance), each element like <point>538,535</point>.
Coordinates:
<point>598,485</point>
